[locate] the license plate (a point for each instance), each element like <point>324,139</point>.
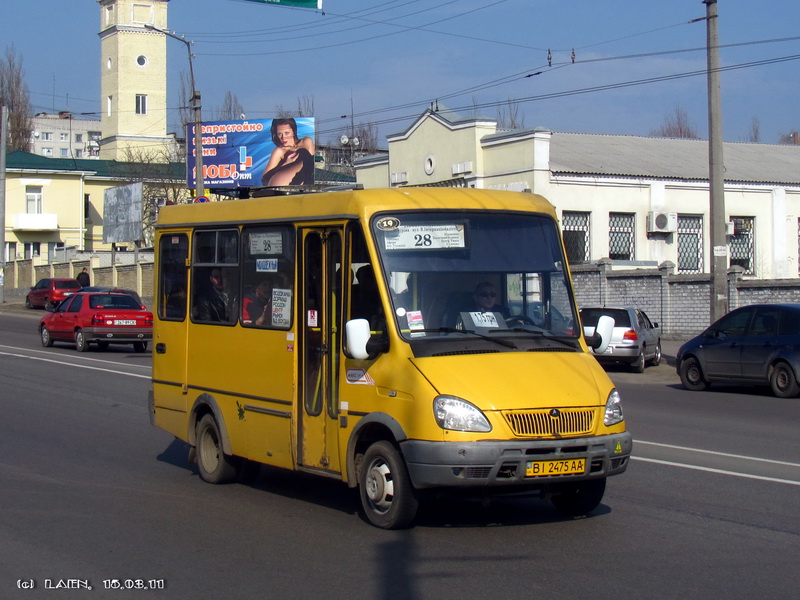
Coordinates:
<point>544,468</point>
<point>124,321</point>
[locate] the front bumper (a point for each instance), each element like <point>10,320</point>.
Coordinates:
<point>118,334</point>
<point>503,463</point>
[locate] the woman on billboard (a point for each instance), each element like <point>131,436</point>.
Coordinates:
<point>292,160</point>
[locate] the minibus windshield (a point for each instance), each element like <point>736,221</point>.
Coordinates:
<point>473,275</point>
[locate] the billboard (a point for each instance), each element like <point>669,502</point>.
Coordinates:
<point>122,213</point>
<point>253,153</point>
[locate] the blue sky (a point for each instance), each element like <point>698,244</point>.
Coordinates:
<point>389,59</point>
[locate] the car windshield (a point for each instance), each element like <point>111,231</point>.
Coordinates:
<point>113,301</point>
<point>477,275</point>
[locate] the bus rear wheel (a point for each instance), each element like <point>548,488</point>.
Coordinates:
<point>387,496</point>
<point>213,464</point>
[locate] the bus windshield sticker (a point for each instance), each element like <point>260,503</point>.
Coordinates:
<point>267,265</point>
<point>269,242</point>
<point>415,322</point>
<point>425,237</point>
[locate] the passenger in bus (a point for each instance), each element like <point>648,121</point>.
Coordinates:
<point>292,160</point>
<point>257,305</point>
<point>213,304</point>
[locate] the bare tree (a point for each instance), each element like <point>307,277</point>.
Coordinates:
<point>305,108</point>
<point>754,135</point>
<point>676,125</point>
<point>231,109</point>
<point>508,116</point>
<point>163,183</point>
<point>14,95</point>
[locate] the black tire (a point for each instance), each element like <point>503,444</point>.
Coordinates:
<point>656,360</point>
<point>47,341</point>
<point>579,498</point>
<point>28,302</point>
<point>48,305</point>
<point>638,365</point>
<point>692,375</point>
<point>139,346</point>
<point>387,496</point>
<point>784,383</point>
<point>212,463</point>
<point>81,345</point>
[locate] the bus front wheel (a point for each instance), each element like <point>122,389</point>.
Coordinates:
<point>212,463</point>
<point>387,495</point>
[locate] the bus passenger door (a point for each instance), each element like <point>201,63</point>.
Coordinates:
<point>321,328</point>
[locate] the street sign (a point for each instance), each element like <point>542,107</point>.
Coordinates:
<point>201,199</point>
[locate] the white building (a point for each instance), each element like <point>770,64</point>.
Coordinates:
<point>630,199</point>
<point>64,136</point>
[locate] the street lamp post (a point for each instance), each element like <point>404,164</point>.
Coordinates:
<point>199,179</point>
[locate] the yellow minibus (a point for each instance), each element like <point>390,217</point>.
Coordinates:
<point>404,341</point>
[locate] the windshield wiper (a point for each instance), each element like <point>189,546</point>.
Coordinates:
<point>566,341</point>
<point>505,343</point>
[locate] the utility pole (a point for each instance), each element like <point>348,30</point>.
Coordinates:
<point>3,147</point>
<point>199,179</point>
<point>716,178</point>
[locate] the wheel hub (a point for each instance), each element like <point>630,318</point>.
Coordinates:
<point>379,486</point>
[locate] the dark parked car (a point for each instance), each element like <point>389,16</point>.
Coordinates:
<point>635,339</point>
<point>116,290</point>
<point>48,292</point>
<point>756,344</point>
<point>100,318</point>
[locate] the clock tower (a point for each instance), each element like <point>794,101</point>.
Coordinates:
<point>133,80</point>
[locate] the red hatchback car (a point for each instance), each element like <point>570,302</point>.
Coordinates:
<point>48,292</point>
<point>99,318</point>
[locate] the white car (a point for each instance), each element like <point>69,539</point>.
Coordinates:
<point>635,340</point>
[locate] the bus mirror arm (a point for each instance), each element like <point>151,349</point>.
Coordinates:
<point>361,344</point>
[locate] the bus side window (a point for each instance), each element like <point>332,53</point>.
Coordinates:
<point>365,300</point>
<point>173,252</point>
<point>215,276</point>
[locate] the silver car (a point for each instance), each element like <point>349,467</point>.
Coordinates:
<point>635,340</point>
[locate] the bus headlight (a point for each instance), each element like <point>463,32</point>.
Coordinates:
<point>459,415</point>
<point>613,409</point>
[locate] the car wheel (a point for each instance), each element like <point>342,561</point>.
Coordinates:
<point>48,305</point>
<point>692,375</point>
<point>783,382</point>
<point>638,365</point>
<point>139,346</point>
<point>579,498</point>
<point>47,341</point>
<point>28,302</point>
<point>387,496</point>
<point>81,345</point>
<point>656,360</point>
<point>212,463</point>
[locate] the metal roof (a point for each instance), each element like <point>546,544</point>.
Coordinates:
<point>671,158</point>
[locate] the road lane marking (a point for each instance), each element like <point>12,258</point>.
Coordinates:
<point>71,357</point>
<point>764,460</point>
<point>720,471</point>
<point>78,366</point>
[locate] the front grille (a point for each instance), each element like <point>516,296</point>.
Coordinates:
<point>570,421</point>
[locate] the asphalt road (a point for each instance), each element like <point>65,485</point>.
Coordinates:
<point>91,492</point>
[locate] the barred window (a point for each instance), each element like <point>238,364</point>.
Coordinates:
<point>621,236</point>
<point>690,243</point>
<point>575,229</point>
<point>741,244</point>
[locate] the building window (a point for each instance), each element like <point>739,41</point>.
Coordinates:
<point>32,249</point>
<point>78,138</point>
<point>141,104</point>
<point>690,243</point>
<point>64,152</point>
<point>47,136</point>
<point>109,104</point>
<point>95,136</point>
<point>47,152</point>
<point>575,228</point>
<point>64,137</point>
<point>621,236</point>
<point>33,199</point>
<point>78,153</point>
<point>741,244</point>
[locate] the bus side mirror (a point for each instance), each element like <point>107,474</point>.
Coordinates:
<point>598,341</point>
<point>361,344</point>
